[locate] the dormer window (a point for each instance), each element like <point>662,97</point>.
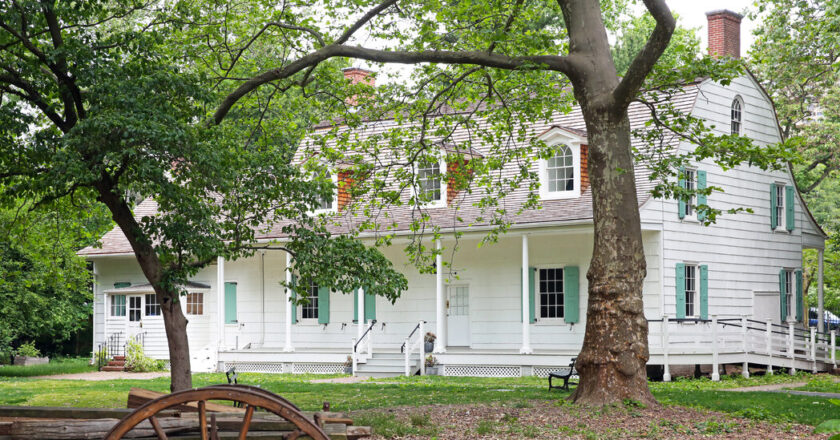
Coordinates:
<point>736,115</point>
<point>561,171</point>
<point>430,186</point>
<point>560,174</point>
<point>328,202</point>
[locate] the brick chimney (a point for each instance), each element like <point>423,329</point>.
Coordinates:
<point>724,33</point>
<point>358,75</point>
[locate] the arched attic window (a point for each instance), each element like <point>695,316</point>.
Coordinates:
<point>561,171</point>
<point>736,115</point>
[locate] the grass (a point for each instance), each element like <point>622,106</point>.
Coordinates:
<point>821,384</point>
<point>432,390</point>
<point>56,366</point>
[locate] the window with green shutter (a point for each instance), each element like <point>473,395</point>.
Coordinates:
<point>704,292</point>
<point>323,305</point>
<point>571,294</point>
<point>701,198</point>
<point>230,303</point>
<point>680,290</point>
<point>370,306</point>
<point>785,293</point>
<point>799,299</point>
<point>774,206</point>
<point>682,207</point>
<point>293,288</point>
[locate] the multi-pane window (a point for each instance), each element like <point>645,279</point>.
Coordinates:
<point>736,116</point>
<point>459,301</point>
<point>551,293</point>
<point>690,290</point>
<point>118,305</point>
<point>780,205</point>
<point>690,177</point>
<point>309,309</point>
<point>327,202</point>
<point>428,181</point>
<point>195,303</point>
<point>561,171</point>
<point>789,292</point>
<point>152,305</point>
<point>134,303</point>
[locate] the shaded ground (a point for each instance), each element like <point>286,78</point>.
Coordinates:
<point>554,420</point>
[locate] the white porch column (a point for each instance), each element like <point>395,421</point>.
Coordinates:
<point>220,299</point>
<point>820,301</point>
<point>440,341</point>
<point>287,347</point>
<point>360,314</point>
<point>526,305</point>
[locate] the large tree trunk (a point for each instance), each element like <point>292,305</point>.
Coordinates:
<point>175,324</point>
<point>612,363</point>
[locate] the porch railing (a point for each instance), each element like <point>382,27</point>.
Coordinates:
<point>113,346</point>
<point>409,347</point>
<point>743,340</point>
<point>363,345</point>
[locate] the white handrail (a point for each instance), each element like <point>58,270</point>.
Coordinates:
<point>418,344</point>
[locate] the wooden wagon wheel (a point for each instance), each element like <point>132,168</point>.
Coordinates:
<point>251,397</point>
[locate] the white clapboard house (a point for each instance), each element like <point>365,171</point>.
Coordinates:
<point>727,293</point>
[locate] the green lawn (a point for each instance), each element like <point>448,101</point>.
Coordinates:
<point>56,366</point>
<point>429,390</point>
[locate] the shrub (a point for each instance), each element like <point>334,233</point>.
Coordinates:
<point>27,349</point>
<point>431,361</point>
<point>136,360</point>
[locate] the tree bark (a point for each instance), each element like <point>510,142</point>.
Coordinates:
<point>175,324</point>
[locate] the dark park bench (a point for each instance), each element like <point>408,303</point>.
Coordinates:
<point>565,373</point>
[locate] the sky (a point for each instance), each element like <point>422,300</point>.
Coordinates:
<point>693,14</point>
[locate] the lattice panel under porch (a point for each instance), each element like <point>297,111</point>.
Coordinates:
<point>317,368</point>
<point>481,371</point>
<point>255,367</point>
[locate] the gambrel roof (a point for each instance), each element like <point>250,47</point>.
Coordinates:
<point>466,215</point>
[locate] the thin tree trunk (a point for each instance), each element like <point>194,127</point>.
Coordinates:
<point>613,360</point>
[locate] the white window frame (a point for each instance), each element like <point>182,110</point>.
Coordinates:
<point>538,295</point>
<point>146,304</point>
<point>790,294</point>
<point>112,305</point>
<point>694,293</point>
<point>187,303</point>
<point>334,206</point>
<point>781,209</point>
<point>440,203</point>
<point>299,309</point>
<point>740,119</point>
<point>553,138</point>
<point>691,203</point>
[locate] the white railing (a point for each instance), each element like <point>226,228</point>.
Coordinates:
<point>418,344</point>
<point>363,348</point>
<point>741,339</point>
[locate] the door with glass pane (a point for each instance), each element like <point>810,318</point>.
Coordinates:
<point>458,316</point>
<point>135,315</point>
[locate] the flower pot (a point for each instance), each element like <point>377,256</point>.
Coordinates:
<point>433,371</point>
<point>429,347</point>
<point>348,370</point>
<point>27,360</point>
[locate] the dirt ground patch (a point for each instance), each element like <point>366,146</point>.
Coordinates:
<point>550,420</point>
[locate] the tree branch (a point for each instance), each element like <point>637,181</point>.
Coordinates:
<point>626,90</point>
<point>362,21</point>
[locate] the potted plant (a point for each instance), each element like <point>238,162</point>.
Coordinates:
<point>429,342</point>
<point>348,365</point>
<point>432,367</point>
<point>27,354</point>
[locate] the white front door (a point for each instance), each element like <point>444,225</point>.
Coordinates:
<point>458,316</point>
<point>135,315</point>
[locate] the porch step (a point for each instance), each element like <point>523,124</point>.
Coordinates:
<point>116,363</point>
<point>387,365</point>
<point>113,368</point>
<point>119,358</point>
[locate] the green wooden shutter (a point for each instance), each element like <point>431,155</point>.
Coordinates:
<point>774,221</point>
<point>782,292</point>
<point>571,294</point>
<point>701,198</point>
<point>121,284</point>
<point>681,201</point>
<point>323,305</point>
<point>799,307</point>
<point>532,271</point>
<point>230,303</point>
<point>704,291</point>
<point>680,290</point>
<point>356,305</point>
<point>789,208</point>
<point>370,306</point>
<point>294,299</point>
